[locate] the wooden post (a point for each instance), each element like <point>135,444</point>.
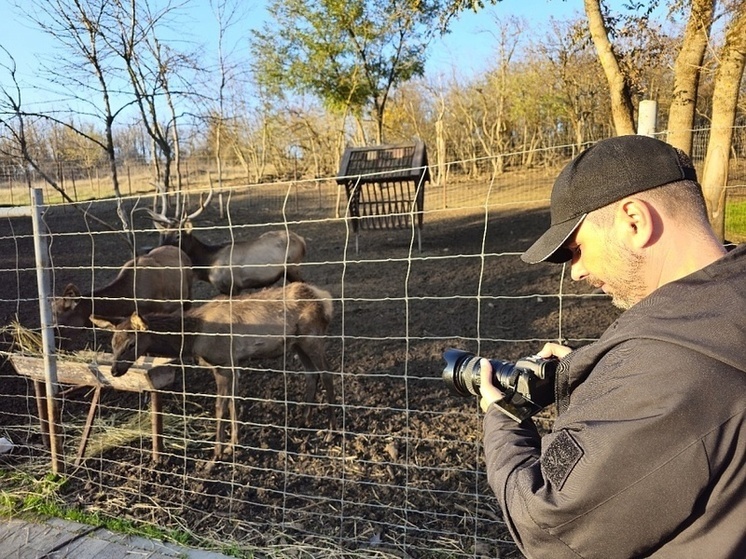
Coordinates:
<point>88,425</point>
<point>41,407</point>
<point>156,423</point>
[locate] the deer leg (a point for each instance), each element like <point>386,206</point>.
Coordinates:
<point>328,381</point>
<point>314,361</point>
<point>224,386</point>
<point>312,381</point>
<point>232,409</point>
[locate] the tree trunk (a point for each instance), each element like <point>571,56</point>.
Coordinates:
<point>724,103</point>
<point>687,71</point>
<point>379,123</point>
<point>621,103</point>
<point>440,144</point>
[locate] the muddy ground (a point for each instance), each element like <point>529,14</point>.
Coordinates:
<point>403,473</point>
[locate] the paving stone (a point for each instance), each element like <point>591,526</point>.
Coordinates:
<point>61,539</point>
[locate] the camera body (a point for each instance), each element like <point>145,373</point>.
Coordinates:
<point>527,384</point>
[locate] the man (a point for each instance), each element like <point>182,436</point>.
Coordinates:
<point>647,456</point>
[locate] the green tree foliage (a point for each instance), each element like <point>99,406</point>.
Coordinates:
<point>348,53</point>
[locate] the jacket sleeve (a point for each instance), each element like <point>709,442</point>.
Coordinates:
<point>622,469</point>
<point>511,451</point>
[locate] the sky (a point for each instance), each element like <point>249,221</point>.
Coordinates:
<point>468,49</point>
<point>471,45</point>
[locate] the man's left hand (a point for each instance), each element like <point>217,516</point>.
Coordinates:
<point>488,391</point>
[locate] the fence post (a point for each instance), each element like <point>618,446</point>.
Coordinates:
<point>47,334</point>
<point>647,117</point>
<point>129,181</point>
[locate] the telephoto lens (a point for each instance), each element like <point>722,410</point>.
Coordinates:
<point>527,385</point>
<point>462,372</point>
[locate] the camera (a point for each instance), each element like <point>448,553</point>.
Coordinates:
<point>527,384</point>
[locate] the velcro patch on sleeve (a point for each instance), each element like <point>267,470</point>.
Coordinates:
<point>560,458</point>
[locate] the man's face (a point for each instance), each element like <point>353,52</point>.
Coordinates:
<point>602,260</point>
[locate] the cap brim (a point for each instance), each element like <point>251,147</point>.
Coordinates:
<point>550,246</point>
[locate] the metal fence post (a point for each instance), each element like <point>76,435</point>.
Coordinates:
<point>47,333</point>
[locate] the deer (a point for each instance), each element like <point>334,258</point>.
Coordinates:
<point>229,331</point>
<point>233,267</point>
<point>159,281</point>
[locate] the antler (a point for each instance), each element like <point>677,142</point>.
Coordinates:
<point>172,221</point>
<point>201,208</point>
<point>161,218</point>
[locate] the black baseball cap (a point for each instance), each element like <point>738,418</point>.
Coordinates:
<point>601,175</point>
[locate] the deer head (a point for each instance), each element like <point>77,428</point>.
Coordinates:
<point>130,340</point>
<point>176,231</point>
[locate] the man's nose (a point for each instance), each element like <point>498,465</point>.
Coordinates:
<point>577,270</point>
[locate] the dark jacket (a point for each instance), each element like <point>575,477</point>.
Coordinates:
<point>647,456</point>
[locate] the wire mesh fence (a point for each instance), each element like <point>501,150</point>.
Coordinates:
<point>392,467</point>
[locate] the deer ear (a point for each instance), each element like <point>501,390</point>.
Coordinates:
<point>101,322</point>
<point>71,291</point>
<point>138,322</point>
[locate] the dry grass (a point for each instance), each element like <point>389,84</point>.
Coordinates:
<point>22,339</point>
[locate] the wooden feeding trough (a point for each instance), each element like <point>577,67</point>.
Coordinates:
<point>148,374</point>
<point>385,187</point>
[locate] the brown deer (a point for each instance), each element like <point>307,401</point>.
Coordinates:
<point>159,281</point>
<point>232,267</point>
<point>226,332</point>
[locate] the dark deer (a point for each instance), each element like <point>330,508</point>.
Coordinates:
<point>232,267</point>
<point>227,332</point>
<point>159,281</point>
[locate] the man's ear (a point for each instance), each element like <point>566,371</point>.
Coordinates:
<point>636,223</point>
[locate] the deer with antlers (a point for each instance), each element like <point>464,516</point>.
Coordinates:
<point>232,267</point>
<point>227,332</point>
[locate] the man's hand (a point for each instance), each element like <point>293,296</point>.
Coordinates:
<point>554,350</point>
<point>489,393</point>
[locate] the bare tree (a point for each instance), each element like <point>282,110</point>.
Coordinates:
<point>77,26</point>
<point>687,71</point>
<point>732,58</point>
<point>226,13</point>
<point>13,121</point>
<point>151,67</point>
<point>578,100</point>
<point>621,101</point>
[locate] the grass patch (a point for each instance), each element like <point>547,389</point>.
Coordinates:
<point>24,496</point>
<point>735,221</point>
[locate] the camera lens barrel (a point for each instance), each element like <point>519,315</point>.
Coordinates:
<point>462,372</point>
<point>527,385</point>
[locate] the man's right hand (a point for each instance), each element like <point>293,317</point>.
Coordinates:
<point>554,350</point>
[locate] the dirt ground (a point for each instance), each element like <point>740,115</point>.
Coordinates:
<point>403,474</point>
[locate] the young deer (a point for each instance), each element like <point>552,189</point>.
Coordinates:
<point>226,332</point>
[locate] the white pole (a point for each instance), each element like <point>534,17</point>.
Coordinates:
<point>45,314</point>
<point>647,118</point>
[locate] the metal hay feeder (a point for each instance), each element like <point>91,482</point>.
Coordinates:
<point>385,187</point>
